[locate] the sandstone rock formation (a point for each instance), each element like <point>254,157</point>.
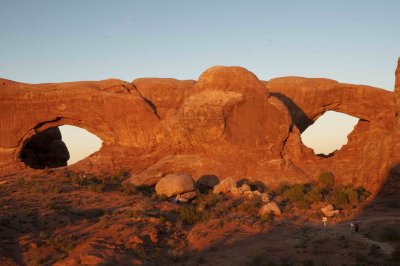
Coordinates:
<point>227,124</point>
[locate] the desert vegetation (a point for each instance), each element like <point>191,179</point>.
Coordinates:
<point>62,216</point>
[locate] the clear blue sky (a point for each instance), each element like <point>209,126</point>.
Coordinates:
<point>52,41</point>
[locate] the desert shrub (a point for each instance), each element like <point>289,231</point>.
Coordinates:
<point>363,194</point>
<point>62,243</point>
<point>396,254</point>
<point>296,194</point>
<point>351,194</point>
<point>189,215</point>
<point>145,189</point>
<point>133,213</point>
<point>96,187</point>
<point>341,199</point>
<point>314,195</point>
<point>281,189</point>
<point>326,179</point>
<point>129,189</point>
<point>207,201</point>
<point>347,195</point>
<point>251,206</point>
<point>268,217</point>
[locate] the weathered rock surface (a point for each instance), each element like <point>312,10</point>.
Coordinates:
<point>228,124</point>
<point>174,184</point>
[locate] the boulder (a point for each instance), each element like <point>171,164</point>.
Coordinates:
<point>329,210</point>
<point>207,182</point>
<point>236,192</point>
<point>225,186</point>
<point>174,184</point>
<point>270,207</point>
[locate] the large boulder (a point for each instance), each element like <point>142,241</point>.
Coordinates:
<point>329,210</point>
<point>174,184</point>
<point>270,207</point>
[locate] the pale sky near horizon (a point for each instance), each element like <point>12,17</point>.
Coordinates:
<point>54,41</point>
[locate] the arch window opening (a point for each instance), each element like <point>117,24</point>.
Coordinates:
<point>329,132</point>
<point>59,146</point>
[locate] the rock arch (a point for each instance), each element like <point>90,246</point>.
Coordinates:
<point>227,124</point>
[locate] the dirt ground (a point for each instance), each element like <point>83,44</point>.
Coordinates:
<point>52,218</point>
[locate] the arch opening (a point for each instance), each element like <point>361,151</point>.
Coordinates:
<point>59,146</point>
<point>329,133</point>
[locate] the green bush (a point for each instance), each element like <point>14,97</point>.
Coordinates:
<point>296,194</point>
<point>347,195</point>
<point>326,179</point>
<point>188,215</point>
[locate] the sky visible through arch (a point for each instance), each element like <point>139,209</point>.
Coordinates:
<point>54,41</point>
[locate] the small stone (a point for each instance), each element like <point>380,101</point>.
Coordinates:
<point>189,195</point>
<point>245,187</point>
<point>256,193</point>
<point>264,197</point>
<point>248,194</point>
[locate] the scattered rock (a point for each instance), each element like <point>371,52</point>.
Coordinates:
<point>175,184</point>
<point>270,207</point>
<point>225,186</point>
<point>245,187</point>
<point>189,195</point>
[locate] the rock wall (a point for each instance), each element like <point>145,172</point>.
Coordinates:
<point>227,124</point>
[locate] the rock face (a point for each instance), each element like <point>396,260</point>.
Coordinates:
<point>227,124</point>
<point>174,184</point>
